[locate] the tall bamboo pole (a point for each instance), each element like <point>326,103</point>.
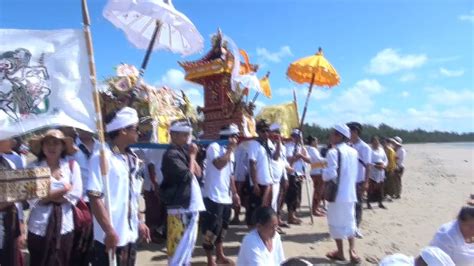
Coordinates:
<point>310,199</point>
<point>98,115</point>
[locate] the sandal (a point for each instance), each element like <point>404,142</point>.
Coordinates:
<point>354,258</point>
<point>334,256</point>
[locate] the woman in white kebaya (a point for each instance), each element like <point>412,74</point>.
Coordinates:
<point>262,246</point>
<point>51,224</point>
<point>456,238</point>
<point>377,173</point>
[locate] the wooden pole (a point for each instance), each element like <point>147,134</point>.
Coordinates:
<point>308,194</point>
<point>98,113</point>
<point>149,49</point>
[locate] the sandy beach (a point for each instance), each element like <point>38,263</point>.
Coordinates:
<point>438,179</point>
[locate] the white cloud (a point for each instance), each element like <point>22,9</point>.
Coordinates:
<point>408,77</point>
<point>468,18</point>
<point>265,56</point>
<point>320,94</point>
<point>451,73</point>
<point>357,99</point>
<point>174,79</point>
<point>449,97</point>
<point>388,61</point>
<point>405,94</point>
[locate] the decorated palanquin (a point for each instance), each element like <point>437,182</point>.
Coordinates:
<point>156,107</point>
<point>222,105</point>
<point>24,184</point>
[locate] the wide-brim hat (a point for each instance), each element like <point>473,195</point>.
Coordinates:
<point>36,142</point>
<point>397,140</point>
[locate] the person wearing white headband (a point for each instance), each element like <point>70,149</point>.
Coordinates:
<point>297,156</point>
<point>429,256</point>
<point>219,193</point>
<point>342,170</point>
<point>181,193</point>
<point>364,153</point>
<point>121,231</point>
<point>280,177</point>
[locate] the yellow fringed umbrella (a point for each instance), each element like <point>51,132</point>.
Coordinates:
<point>315,70</point>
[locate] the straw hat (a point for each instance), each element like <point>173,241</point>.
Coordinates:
<point>397,140</point>
<point>35,143</point>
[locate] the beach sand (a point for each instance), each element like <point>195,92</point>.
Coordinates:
<point>438,179</point>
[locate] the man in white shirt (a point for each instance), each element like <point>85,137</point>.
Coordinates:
<point>279,173</point>
<point>342,169</point>
<point>241,176</point>
<point>363,168</point>
<point>87,145</point>
<point>118,232</point>
<point>316,175</point>
<point>401,153</point>
<point>260,152</point>
<point>297,157</point>
<point>219,194</point>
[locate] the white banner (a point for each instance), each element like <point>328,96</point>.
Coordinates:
<point>44,81</point>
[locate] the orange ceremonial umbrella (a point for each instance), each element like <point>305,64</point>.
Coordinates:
<point>315,70</point>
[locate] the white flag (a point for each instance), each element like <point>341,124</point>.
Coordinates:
<point>44,81</point>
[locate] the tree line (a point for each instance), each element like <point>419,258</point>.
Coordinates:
<point>383,130</point>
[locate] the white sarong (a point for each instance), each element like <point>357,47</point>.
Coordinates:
<point>341,219</point>
<point>275,193</point>
<point>184,251</point>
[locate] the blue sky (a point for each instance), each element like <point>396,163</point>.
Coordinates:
<point>405,63</point>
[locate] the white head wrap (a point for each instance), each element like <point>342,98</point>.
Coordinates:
<point>343,129</point>
<point>181,126</point>
<point>275,126</point>
<point>434,256</point>
<point>296,131</point>
<point>232,129</point>
<point>125,117</point>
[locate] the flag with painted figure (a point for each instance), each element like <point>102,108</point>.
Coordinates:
<point>44,81</point>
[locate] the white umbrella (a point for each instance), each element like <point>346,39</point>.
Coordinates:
<point>154,24</point>
<point>249,81</point>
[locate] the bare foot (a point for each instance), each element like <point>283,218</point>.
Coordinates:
<point>354,258</point>
<point>223,261</point>
<point>335,255</point>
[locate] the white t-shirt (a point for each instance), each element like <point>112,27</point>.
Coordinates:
<point>298,165</point>
<point>315,157</point>
<point>217,182</point>
<point>154,156</point>
<point>450,240</point>
<point>241,161</point>
<point>348,175</point>
<point>279,166</point>
<point>18,160</point>
<point>254,252</point>
<point>401,153</point>
<point>364,156</point>
<point>81,158</point>
<point>378,156</point>
<point>39,215</point>
<point>121,193</point>
<point>257,153</point>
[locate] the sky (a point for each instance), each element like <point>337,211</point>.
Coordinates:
<point>405,63</point>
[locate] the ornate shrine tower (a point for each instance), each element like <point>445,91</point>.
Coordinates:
<point>213,72</point>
